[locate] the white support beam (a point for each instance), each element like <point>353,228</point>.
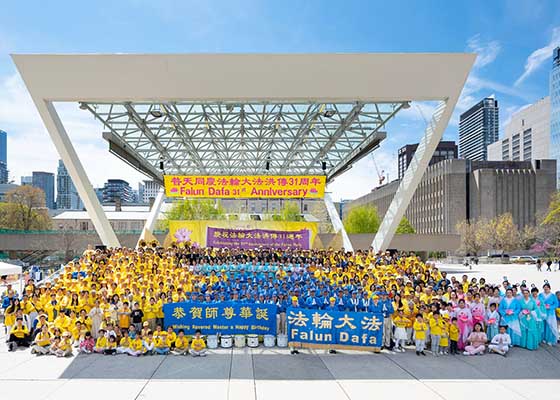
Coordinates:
<point>337,223</point>
<point>413,175</point>
<point>77,172</point>
<point>154,212</point>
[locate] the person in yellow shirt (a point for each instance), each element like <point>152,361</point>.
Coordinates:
<point>400,322</point>
<point>19,335</point>
<point>171,336</point>
<point>420,329</point>
<point>62,347</point>
<point>111,348</point>
<point>136,346</point>
<point>124,343</point>
<point>181,346</point>
<point>101,342</point>
<point>444,339</point>
<point>453,336</point>
<point>160,344</point>
<point>198,347</point>
<point>42,342</point>
<point>436,329</point>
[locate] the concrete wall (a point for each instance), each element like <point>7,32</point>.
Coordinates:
<point>408,242</point>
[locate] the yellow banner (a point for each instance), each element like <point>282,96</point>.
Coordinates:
<point>250,186</point>
<point>195,231</point>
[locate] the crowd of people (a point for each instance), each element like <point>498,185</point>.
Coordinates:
<point>111,301</point>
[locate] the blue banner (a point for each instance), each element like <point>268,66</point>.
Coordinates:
<point>338,328</point>
<point>227,318</point>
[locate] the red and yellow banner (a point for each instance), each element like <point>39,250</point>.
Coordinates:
<point>250,186</point>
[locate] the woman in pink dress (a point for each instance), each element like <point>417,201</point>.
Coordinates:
<point>477,341</point>
<point>478,310</point>
<point>464,322</point>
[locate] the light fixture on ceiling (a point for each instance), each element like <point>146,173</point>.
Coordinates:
<point>83,106</point>
<point>161,163</point>
<point>324,165</point>
<point>406,105</point>
<point>329,112</point>
<point>268,163</point>
<point>156,111</point>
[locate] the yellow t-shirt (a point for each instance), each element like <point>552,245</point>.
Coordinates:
<point>436,326</point>
<point>420,329</point>
<point>19,332</point>
<point>198,344</point>
<point>182,344</point>
<point>43,339</point>
<point>136,344</point>
<point>453,332</point>
<point>101,342</point>
<point>401,322</point>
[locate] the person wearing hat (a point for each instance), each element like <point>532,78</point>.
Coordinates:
<point>62,347</point>
<point>19,335</point>
<point>500,343</point>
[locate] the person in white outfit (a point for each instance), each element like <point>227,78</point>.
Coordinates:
<point>501,342</point>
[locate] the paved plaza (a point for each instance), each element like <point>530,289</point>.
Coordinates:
<point>263,373</point>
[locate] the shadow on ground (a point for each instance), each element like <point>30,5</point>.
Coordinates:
<point>267,364</point>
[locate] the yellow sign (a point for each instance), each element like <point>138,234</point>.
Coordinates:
<point>252,186</point>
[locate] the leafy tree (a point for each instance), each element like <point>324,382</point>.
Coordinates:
<point>362,219</point>
<point>548,230</point>
<point>290,211</point>
<point>405,227</point>
<point>192,210</point>
<point>506,233</point>
<point>472,237</point>
<point>25,209</point>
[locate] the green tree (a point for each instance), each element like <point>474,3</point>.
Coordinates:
<point>193,210</point>
<point>290,212</point>
<point>362,219</point>
<point>25,209</point>
<point>405,227</point>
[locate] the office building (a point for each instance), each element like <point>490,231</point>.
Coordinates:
<point>478,128</point>
<point>444,151</point>
<point>45,182</point>
<point>455,190</point>
<point>3,157</point>
<point>117,190</point>
<point>555,110</point>
<point>150,191</point>
<point>526,136</point>
<point>5,188</point>
<point>67,197</point>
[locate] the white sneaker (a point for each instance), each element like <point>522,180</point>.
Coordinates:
<point>466,353</point>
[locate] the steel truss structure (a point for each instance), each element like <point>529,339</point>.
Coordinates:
<point>223,114</point>
<point>243,138</point>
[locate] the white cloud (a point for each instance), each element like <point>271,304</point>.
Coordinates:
<point>539,56</point>
<point>486,51</point>
<point>31,149</point>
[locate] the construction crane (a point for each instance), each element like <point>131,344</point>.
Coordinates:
<point>380,176</point>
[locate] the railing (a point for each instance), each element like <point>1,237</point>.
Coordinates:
<point>63,231</point>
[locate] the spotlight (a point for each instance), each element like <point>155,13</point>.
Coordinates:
<point>406,105</point>
<point>156,111</point>
<point>83,106</point>
<point>268,164</point>
<point>324,165</point>
<point>161,163</point>
<point>329,112</point>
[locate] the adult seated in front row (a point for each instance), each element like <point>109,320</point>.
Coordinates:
<point>19,335</point>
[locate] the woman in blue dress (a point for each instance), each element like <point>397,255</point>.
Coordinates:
<point>541,312</point>
<point>509,311</point>
<point>550,302</point>
<point>528,322</point>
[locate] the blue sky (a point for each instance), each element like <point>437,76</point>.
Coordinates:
<point>514,40</point>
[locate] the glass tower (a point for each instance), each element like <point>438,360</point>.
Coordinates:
<point>555,112</point>
<point>478,127</point>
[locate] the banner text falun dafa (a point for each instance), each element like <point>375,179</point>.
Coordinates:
<point>250,186</point>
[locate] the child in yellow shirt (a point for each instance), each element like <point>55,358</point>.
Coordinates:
<point>444,340</point>
<point>101,343</point>
<point>453,336</point>
<point>436,329</point>
<point>181,344</point>
<point>198,347</point>
<point>420,329</point>
<point>401,322</point>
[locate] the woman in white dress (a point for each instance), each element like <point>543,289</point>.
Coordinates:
<point>96,315</point>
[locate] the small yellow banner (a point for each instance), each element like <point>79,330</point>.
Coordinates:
<point>251,186</point>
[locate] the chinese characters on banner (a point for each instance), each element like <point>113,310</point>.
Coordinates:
<point>334,328</point>
<point>252,186</point>
<point>225,317</point>
<point>252,238</point>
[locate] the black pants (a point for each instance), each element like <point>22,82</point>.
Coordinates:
<point>109,351</point>
<point>22,342</point>
<point>453,347</point>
